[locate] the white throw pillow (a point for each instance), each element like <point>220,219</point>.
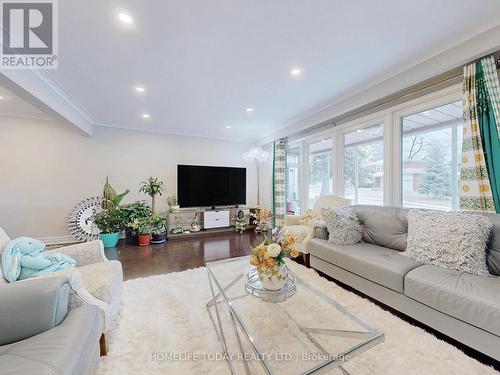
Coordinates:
<point>343,225</point>
<point>451,240</point>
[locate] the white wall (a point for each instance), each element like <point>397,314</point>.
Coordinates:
<point>47,167</point>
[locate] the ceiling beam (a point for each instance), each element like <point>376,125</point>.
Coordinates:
<point>36,89</point>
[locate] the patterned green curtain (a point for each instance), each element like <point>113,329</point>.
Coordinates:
<point>279,165</point>
<point>480,168</point>
<point>489,122</point>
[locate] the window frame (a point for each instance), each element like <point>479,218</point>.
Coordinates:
<point>303,143</point>
<point>349,127</point>
<point>433,100</point>
<point>318,137</point>
<point>391,120</point>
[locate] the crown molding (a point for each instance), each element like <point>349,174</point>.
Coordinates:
<point>179,134</point>
<point>35,87</point>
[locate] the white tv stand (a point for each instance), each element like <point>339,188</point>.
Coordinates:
<point>204,218</point>
<point>215,219</point>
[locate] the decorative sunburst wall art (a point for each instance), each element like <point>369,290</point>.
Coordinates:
<point>80,223</point>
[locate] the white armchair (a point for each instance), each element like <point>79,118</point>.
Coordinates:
<point>95,280</point>
<point>302,226</point>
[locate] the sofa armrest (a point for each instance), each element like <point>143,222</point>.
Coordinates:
<point>32,307</point>
<point>79,295</point>
<point>320,230</point>
<point>84,253</point>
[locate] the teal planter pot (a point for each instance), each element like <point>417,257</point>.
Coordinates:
<point>109,239</point>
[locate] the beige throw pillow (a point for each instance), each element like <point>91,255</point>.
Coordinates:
<point>450,240</point>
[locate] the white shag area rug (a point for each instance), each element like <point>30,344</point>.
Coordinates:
<point>165,315</point>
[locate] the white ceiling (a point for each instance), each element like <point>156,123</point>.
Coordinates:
<point>204,62</point>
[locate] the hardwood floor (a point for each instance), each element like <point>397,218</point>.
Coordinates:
<point>181,254</point>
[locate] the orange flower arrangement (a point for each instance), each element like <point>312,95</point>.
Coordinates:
<point>270,254</point>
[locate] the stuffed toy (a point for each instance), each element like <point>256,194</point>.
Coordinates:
<point>23,258</point>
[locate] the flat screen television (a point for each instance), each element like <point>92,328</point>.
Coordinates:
<point>199,186</point>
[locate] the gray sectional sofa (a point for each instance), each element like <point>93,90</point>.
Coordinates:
<point>39,336</point>
<point>460,305</point>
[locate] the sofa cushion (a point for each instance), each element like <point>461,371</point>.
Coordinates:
<point>470,298</point>
<point>378,264</point>
<point>343,225</point>
<point>103,280</point>
<point>383,226</point>
<point>449,239</point>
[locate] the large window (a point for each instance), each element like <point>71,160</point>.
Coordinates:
<point>430,159</point>
<point>320,170</point>
<point>293,181</point>
<point>364,165</point>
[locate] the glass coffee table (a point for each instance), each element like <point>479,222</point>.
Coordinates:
<point>307,333</point>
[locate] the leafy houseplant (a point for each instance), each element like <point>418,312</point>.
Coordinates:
<point>110,199</point>
<point>152,187</point>
<point>158,228</point>
<point>132,211</point>
<point>172,202</point>
<point>110,220</point>
<point>143,228</point>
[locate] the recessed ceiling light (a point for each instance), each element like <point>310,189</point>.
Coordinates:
<point>125,18</point>
<point>295,72</point>
<point>140,89</point>
<point>1,97</point>
<point>146,115</point>
<point>249,109</point>
<point>228,126</point>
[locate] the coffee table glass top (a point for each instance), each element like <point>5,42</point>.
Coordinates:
<point>307,333</point>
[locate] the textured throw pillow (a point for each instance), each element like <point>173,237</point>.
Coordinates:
<point>451,240</point>
<point>343,225</point>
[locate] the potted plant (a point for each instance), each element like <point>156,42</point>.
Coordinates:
<point>143,229</point>
<point>172,202</point>
<point>110,223</point>
<point>152,187</point>
<point>132,211</point>
<point>110,220</point>
<point>110,199</point>
<point>158,228</point>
